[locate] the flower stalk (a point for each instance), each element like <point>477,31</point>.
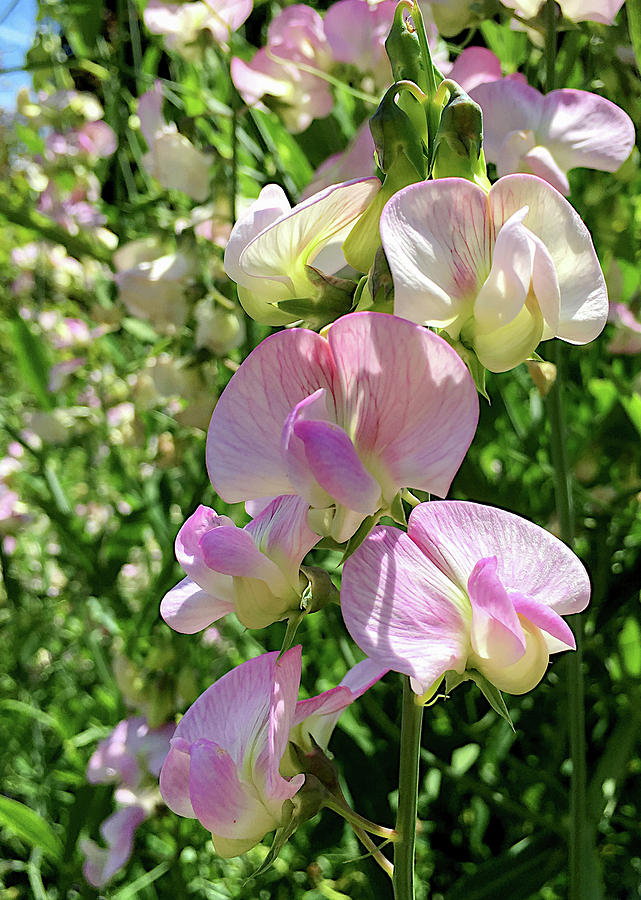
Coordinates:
<point>411,724</point>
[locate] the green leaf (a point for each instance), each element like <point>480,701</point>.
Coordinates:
<point>632,406</point>
<point>288,156</point>
<point>633,10</point>
<point>32,360</point>
<point>30,826</point>
<point>493,696</point>
<point>142,331</point>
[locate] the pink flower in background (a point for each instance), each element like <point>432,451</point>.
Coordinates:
<point>547,135</point>
<point>627,337</point>
<point>603,11</point>
<point>95,139</point>
<point>356,161</point>
<point>468,587</point>
<point>126,758</point>
<point>295,36</point>
<point>172,158</point>
<point>477,65</point>
<point>499,272</point>
<point>356,33</point>
<point>253,571</point>
<point>271,245</point>
<point>223,766</point>
<point>181,23</point>
<point>344,421</point>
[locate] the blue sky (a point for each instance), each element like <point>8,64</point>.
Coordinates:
<point>17,27</point>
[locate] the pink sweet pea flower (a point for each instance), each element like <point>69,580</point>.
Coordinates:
<point>356,161</point>
<point>357,32</point>
<point>224,764</point>
<point>271,244</point>
<point>125,758</point>
<point>603,11</point>
<point>253,571</point>
<point>499,272</point>
<point>525,131</point>
<point>468,587</point>
<point>477,65</point>
<point>344,421</point>
<point>295,37</point>
<point>627,337</point>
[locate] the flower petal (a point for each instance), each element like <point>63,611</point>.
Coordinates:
<point>583,129</point>
<point>281,532</point>
<point>438,241</point>
<point>544,618</point>
<point>402,611</point>
<point>293,448</point>
<point>508,106</point>
<point>118,833</point>
<point>232,551</point>
<point>456,534</point>
<point>584,300</point>
<point>187,608</point>
<point>336,466</point>
<point>174,779</point>
<point>405,399</point>
<point>189,552</point>
<point>244,456</point>
<point>496,633</point>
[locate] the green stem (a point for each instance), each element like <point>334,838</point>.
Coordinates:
<point>342,808</point>
<point>374,851</point>
<point>550,44</point>
<point>411,723</point>
<point>581,863</point>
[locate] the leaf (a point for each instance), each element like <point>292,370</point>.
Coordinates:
<point>142,331</point>
<point>493,696</point>
<point>518,874</point>
<point>288,156</point>
<point>30,826</point>
<point>632,405</point>
<point>633,10</point>
<point>32,360</point>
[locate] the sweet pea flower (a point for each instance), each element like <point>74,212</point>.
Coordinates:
<point>547,135</point>
<point>223,766</point>
<point>271,245</point>
<point>181,23</point>
<point>295,39</point>
<point>356,161</point>
<point>468,587</point>
<point>253,571</point>
<point>343,421</point>
<point>603,11</point>
<point>126,758</point>
<point>356,33</point>
<point>478,65</point>
<point>500,271</point>
<point>627,336</point>
<point>172,158</point>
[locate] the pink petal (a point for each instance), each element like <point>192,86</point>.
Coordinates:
<point>174,779</point>
<point>508,106</point>
<point>496,631</point>
<point>402,611</point>
<point>314,407</point>
<point>539,161</point>
<point>282,533</point>
<point>118,833</point>
<point>150,113</point>
<point>456,535</point>
<point>336,466</point>
<point>603,11</point>
<point>583,129</point>
<point>405,398</point>
<point>244,457</point>
<point>189,553</point>
<point>187,608</point>
<point>222,803</point>
<point>583,294</point>
<point>232,551</point>
<point>474,66</point>
<point>438,241</point>
<point>544,618</point>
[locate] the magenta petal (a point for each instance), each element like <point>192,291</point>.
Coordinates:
<point>337,467</point>
<point>402,611</point>
<point>456,535</point>
<point>474,66</point>
<point>174,779</point>
<point>232,551</point>
<point>496,631</point>
<point>544,618</point>
<point>221,802</point>
<point>118,833</point>
<point>314,407</point>
<point>188,609</point>
<point>407,400</point>
<point>244,456</point>
<point>282,533</point>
